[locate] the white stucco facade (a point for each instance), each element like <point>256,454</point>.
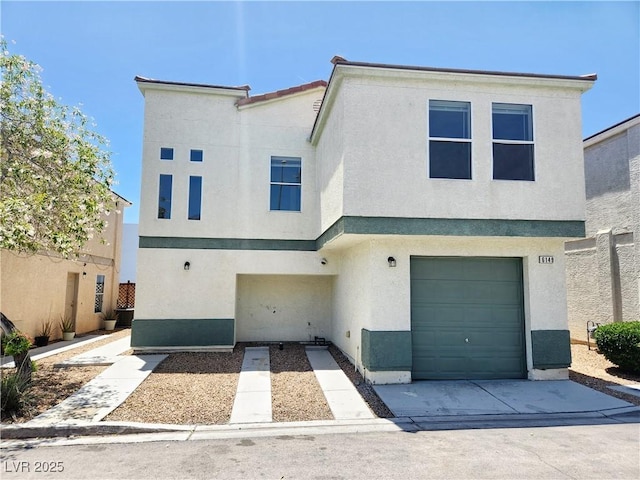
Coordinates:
<point>256,274</point>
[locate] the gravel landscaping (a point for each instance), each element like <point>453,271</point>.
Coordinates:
<point>199,388</point>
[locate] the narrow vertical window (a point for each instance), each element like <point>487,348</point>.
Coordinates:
<point>166,153</point>
<point>164,196</point>
<point>286,183</point>
<point>512,142</point>
<point>99,294</point>
<point>195,155</point>
<point>449,139</point>
<point>195,197</point>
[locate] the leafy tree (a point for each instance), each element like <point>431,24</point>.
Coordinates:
<point>55,172</point>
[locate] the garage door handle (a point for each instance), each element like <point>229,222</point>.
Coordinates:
<point>466,340</point>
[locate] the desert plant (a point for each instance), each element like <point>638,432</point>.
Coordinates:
<point>14,393</point>
<point>619,342</point>
<point>17,344</point>
<point>66,324</point>
<point>110,315</point>
<point>45,329</point>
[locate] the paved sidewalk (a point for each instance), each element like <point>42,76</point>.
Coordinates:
<point>105,355</point>
<point>344,400</point>
<point>54,348</point>
<point>252,403</point>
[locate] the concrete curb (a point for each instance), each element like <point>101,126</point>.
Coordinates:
<point>413,424</point>
<point>15,432</point>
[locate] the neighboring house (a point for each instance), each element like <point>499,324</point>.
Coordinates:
<point>415,217</point>
<point>603,270</point>
<point>129,253</point>
<point>45,287</point>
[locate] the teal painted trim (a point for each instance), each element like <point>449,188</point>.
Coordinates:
<point>386,350</point>
<point>454,227</point>
<point>182,332</point>
<point>463,227</point>
<point>226,243</point>
<point>330,233</point>
<point>550,349</point>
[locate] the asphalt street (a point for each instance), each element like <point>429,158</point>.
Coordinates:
<point>583,451</point>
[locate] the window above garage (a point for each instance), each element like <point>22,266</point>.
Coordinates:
<point>449,139</point>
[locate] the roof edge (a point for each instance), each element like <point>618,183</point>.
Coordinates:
<point>140,79</point>
<point>337,61</point>
<point>613,129</point>
<point>282,93</point>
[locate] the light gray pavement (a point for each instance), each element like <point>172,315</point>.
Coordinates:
<point>344,400</point>
<point>495,397</point>
<point>253,396</point>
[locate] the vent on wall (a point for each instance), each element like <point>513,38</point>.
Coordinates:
<point>316,105</point>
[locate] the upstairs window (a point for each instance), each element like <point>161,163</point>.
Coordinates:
<point>195,197</point>
<point>164,196</point>
<point>195,156</point>
<point>286,183</point>
<point>512,142</point>
<point>449,139</point>
<point>166,153</point>
<point>97,307</point>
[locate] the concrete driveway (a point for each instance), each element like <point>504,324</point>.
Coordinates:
<point>497,397</point>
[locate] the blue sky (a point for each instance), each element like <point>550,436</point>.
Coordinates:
<point>90,51</point>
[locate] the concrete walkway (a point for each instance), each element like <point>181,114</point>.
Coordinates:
<point>495,397</point>
<point>54,348</point>
<point>344,400</point>
<point>105,355</point>
<point>103,394</point>
<point>252,403</point>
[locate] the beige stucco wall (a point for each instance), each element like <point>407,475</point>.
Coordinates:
<point>33,288</point>
<point>283,307</point>
<point>603,271</point>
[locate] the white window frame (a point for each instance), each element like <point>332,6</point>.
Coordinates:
<point>443,103</point>
<point>495,140</point>
<point>271,182</point>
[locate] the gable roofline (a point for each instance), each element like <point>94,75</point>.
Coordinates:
<point>151,82</point>
<point>612,130</point>
<point>335,80</point>
<point>281,93</point>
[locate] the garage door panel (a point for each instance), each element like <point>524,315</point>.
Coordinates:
<point>467,318</point>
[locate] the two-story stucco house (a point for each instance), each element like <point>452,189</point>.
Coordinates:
<point>413,216</point>
<point>603,270</point>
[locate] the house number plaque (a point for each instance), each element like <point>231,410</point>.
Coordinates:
<point>545,259</point>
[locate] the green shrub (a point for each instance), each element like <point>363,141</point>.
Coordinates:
<point>619,342</point>
<point>14,393</point>
<point>16,343</point>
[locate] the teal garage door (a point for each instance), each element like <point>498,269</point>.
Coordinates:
<point>467,318</point>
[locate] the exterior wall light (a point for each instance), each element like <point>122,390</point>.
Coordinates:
<point>392,261</point>
<point>187,265</point>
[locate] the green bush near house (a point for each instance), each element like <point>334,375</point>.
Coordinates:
<point>14,394</point>
<point>620,344</point>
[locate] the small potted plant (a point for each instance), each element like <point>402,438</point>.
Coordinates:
<point>42,338</point>
<point>68,328</point>
<point>110,317</point>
